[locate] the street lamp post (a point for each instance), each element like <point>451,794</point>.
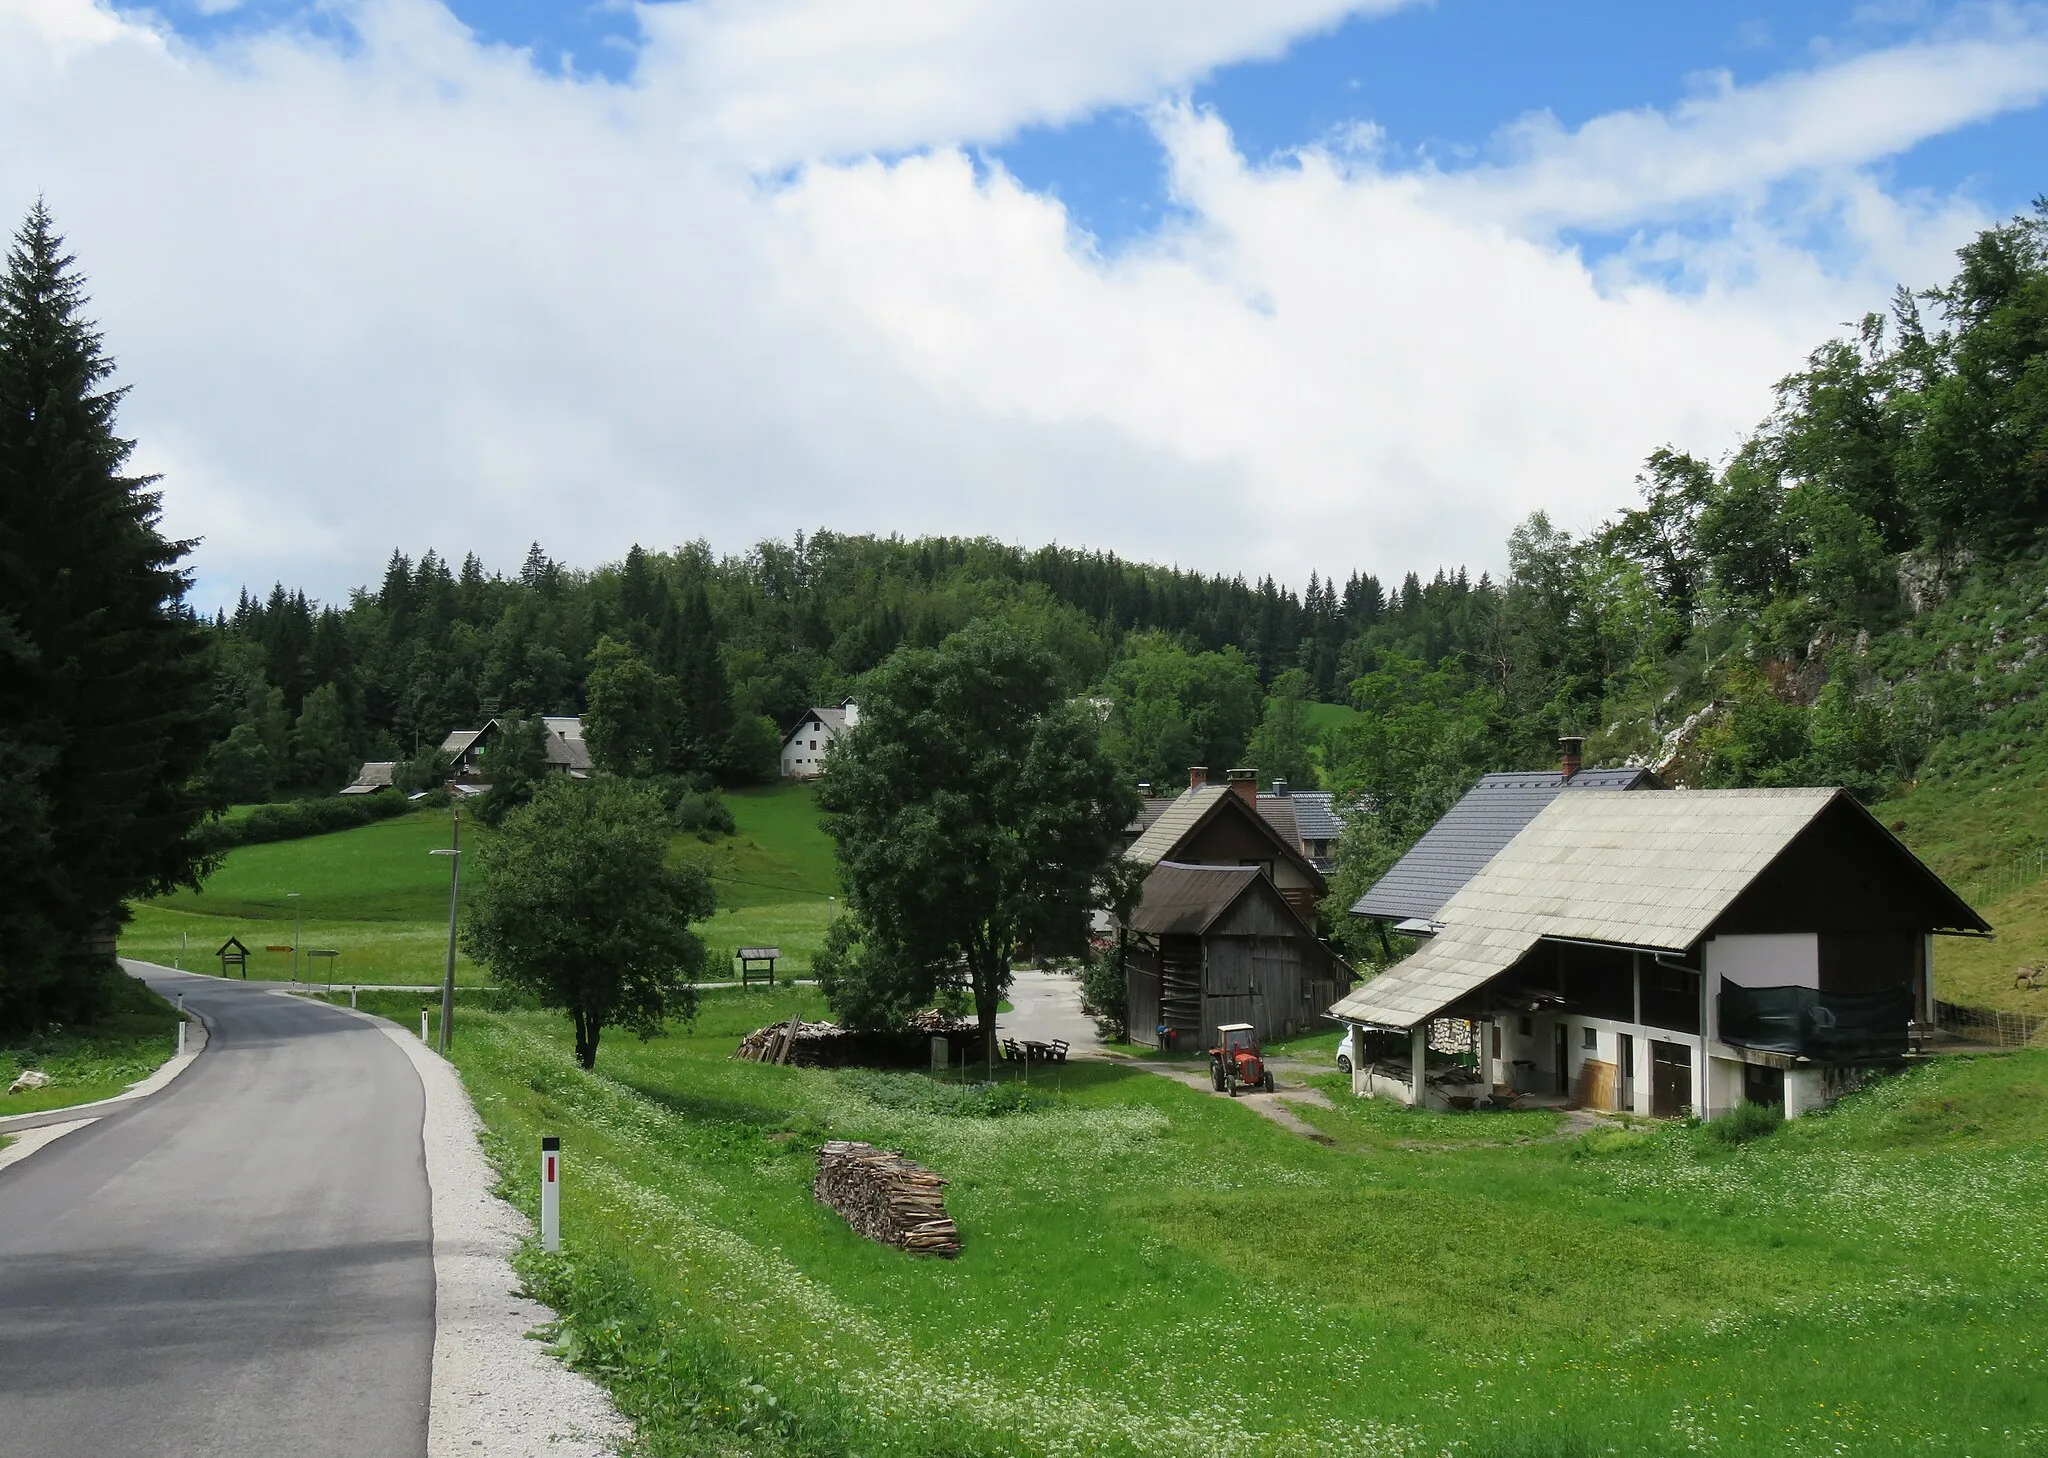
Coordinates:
<point>446,1041</point>
<point>298,927</point>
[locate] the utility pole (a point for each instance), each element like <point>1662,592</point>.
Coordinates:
<point>446,1042</point>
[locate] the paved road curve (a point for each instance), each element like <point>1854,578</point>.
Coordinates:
<point>241,1265</point>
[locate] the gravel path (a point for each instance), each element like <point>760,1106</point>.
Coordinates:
<point>495,1390</point>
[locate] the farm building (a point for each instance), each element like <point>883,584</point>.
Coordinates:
<point>1492,813</point>
<point>1225,929</point>
<point>804,746</point>
<point>1667,953</point>
<point>375,775</point>
<point>567,753</point>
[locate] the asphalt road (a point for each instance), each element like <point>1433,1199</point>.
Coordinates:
<point>240,1265</point>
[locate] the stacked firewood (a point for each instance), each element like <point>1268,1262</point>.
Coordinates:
<point>780,1042</point>
<point>886,1197</point>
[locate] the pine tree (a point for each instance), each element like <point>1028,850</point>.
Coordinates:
<point>110,664</point>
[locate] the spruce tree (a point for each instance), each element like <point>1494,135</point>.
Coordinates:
<point>110,727</point>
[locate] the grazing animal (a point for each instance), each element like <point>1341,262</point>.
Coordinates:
<point>2030,978</point>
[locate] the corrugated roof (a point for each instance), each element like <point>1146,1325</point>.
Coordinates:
<point>1650,871</point>
<point>1185,900</point>
<point>1473,831</point>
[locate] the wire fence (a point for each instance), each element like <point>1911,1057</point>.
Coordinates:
<point>2014,871</point>
<point>1989,1025</point>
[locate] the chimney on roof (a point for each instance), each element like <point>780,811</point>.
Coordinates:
<point>1145,789</point>
<point>852,712</point>
<point>1245,782</point>
<point>1198,776</point>
<point>1279,786</point>
<point>1570,748</point>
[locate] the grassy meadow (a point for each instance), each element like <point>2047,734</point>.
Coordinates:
<point>94,1060</point>
<point>375,895</point>
<point>1148,1269</point>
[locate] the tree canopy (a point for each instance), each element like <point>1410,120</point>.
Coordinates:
<point>574,900</point>
<point>974,813</point>
<point>105,722</point>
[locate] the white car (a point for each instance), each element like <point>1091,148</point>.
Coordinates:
<point>1347,1051</point>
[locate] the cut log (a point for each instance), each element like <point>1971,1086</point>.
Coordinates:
<point>886,1197</point>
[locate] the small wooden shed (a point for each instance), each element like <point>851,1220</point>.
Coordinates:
<point>1222,944</point>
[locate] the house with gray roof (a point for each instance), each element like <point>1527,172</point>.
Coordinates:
<point>1492,813</point>
<point>805,743</point>
<point>1684,951</point>
<point>567,752</point>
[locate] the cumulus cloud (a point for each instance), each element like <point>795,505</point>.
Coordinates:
<point>410,290</point>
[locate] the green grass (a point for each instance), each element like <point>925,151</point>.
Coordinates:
<point>1322,717</point>
<point>94,1060</point>
<point>1148,1269</point>
<point>376,896</point>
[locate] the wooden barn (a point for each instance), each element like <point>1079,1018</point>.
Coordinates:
<point>1220,944</point>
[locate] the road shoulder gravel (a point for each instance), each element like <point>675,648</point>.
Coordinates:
<point>495,1391</point>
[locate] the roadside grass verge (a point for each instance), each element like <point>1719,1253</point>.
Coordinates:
<point>94,1060</point>
<point>1150,1270</point>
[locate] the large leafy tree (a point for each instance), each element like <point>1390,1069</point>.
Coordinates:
<point>515,763</point>
<point>1171,708</point>
<point>974,813</point>
<point>106,719</point>
<point>575,901</point>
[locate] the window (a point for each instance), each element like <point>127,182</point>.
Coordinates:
<point>814,744</point>
<point>1526,1027</point>
<point>1590,1040</point>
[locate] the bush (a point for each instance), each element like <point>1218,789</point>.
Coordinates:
<point>694,803</point>
<point>299,818</point>
<point>1104,996</point>
<point>1745,1122</point>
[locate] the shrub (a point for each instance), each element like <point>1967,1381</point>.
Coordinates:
<point>298,818</point>
<point>1103,993</point>
<point>1745,1122</point>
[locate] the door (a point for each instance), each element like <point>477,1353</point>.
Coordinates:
<point>1670,1079</point>
<point>1625,1074</point>
<point>1562,1053</point>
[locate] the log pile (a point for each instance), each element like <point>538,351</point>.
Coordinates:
<point>782,1042</point>
<point>886,1197</point>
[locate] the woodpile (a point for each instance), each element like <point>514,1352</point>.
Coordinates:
<point>886,1197</point>
<point>781,1042</point>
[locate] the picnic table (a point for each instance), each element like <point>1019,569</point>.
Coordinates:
<point>1033,1050</point>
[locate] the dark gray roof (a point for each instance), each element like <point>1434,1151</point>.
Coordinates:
<point>1475,830</point>
<point>1184,900</point>
<point>1315,814</point>
<point>1149,810</point>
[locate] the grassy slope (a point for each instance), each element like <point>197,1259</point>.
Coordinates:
<point>94,1061</point>
<point>1151,1270</point>
<point>375,895</point>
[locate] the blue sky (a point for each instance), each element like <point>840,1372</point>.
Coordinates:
<point>1300,285</point>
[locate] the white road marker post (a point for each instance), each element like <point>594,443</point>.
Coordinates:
<point>550,1192</point>
<point>423,1026</point>
<point>181,1025</point>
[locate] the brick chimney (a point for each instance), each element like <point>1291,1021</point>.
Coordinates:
<point>1569,748</point>
<point>1245,782</point>
<point>1198,776</point>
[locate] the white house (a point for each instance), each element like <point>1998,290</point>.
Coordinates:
<point>1683,951</point>
<point>804,746</point>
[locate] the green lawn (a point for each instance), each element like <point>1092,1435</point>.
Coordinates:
<point>95,1060</point>
<point>375,895</point>
<point>1149,1269</point>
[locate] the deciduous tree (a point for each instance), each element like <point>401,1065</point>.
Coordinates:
<point>576,902</point>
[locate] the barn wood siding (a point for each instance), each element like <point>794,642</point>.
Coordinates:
<point>1141,996</point>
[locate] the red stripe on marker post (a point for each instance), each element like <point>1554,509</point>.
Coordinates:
<point>550,1192</point>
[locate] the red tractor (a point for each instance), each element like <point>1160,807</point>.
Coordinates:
<point>1234,1063</point>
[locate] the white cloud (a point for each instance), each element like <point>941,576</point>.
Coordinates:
<point>415,292</point>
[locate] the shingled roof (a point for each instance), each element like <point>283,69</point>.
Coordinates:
<point>1645,871</point>
<point>1185,900</point>
<point>1492,813</point>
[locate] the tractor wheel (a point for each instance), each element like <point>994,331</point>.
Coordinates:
<point>1216,1078</point>
<point>1233,1085</point>
<point>1269,1080</point>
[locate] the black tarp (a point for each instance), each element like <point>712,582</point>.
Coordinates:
<point>1828,1027</point>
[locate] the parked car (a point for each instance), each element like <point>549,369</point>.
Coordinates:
<point>1348,1055</point>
